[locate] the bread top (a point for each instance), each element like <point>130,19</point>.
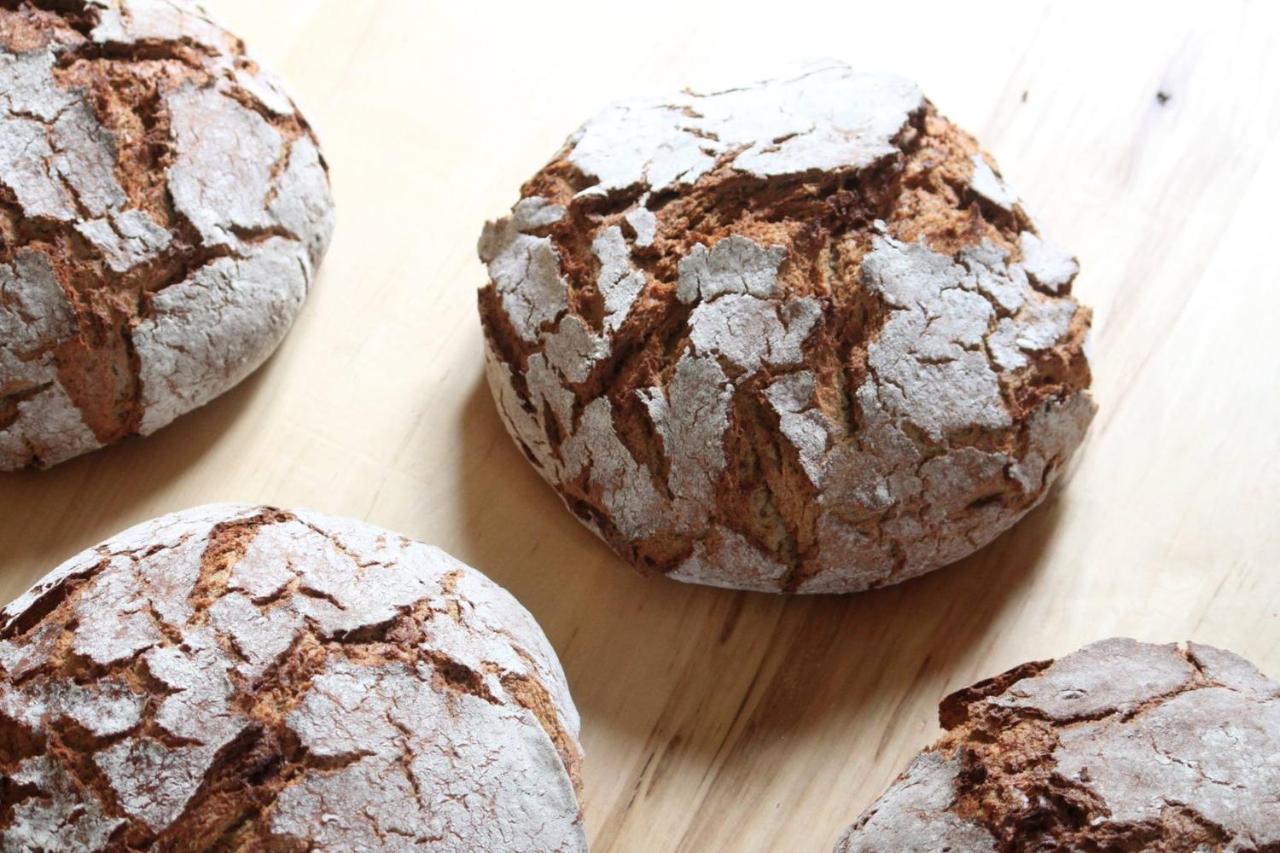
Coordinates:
<point>237,677</point>
<point>163,208</point>
<point>797,335</point>
<point>822,118</point>
<point>1119,746</point>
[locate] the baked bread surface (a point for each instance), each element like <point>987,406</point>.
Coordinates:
<point>795,336</point>
<point>1119,746</point>
<point>245,678</point>
<point>163,209</point>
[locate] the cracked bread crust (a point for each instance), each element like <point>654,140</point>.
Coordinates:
<point>1119,746</point>
<point>245,678</point>
<point>163,210</point>
<point>797,336</point>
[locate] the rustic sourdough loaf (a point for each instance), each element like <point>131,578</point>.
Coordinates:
<point>245,678</point>
<point>793,336</point>
<point>163,208</point>
<point>1119,746</point>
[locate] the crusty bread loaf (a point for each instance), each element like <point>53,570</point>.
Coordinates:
<point>244,678</point>
<point>163,208</point>
<point>793,336</point>
<point>1119,746</point>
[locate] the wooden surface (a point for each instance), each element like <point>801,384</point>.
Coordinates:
<point>714,720</point>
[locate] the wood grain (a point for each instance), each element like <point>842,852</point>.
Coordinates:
<point>715,720</point>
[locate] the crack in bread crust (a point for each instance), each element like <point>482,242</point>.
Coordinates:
<point>241,678</point>
<point>797,336</point>
<point>1119,746</point>
<point>163,209</point>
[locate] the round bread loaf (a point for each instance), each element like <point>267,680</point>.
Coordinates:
<point>163,209</point>
<point>796,336</point>
<point>1119,746</point>
<point>244,678</point>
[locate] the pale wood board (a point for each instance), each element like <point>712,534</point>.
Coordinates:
<point>718,720</point>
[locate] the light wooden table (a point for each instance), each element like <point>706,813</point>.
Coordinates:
<point>715,720</point>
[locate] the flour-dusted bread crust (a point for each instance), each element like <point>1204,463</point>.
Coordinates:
<point>1119,746</point>
<point>163,209</point>
<point>245,678</point>
<point>793,336</point>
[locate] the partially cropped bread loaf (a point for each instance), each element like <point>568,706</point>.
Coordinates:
<point>163,209</point>
<point>245,678</point>
<point>795,336</point>
<point>1119,746</point>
